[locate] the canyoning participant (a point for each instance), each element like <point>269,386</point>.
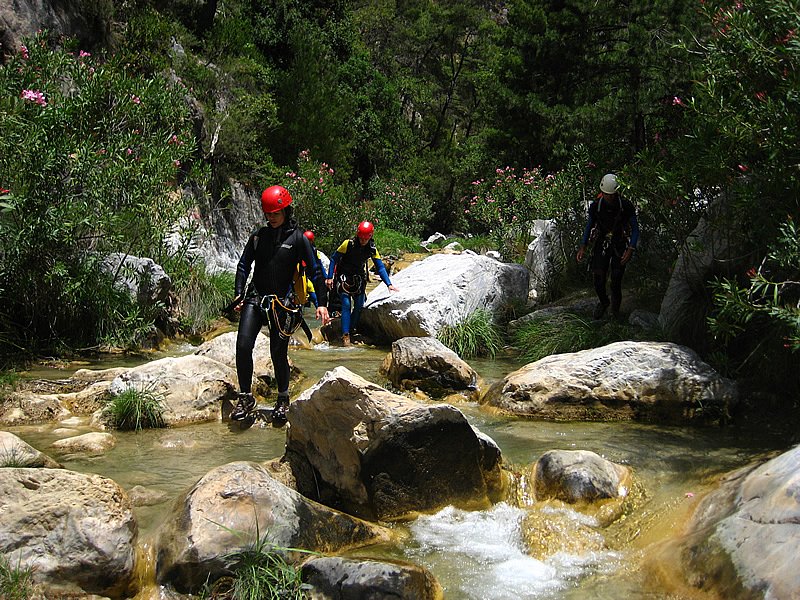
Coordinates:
<point>613,231</point>
<point>278,251</point>
<point>348,275</point>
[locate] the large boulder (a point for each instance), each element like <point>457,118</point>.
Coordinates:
<point>76,532</point>
<point>193,388</point>
<point>145,281</point>
<point>16,453</point>
<point>338,578</point>
<point>236,506</point>
<point>443,289</point>
<point>544,259</point>
<point>426,364</point>
<point>358,447</point>
<point>744,538</point>
<point>647,381</point>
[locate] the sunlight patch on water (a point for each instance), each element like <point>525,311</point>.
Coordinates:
<point>480,555</point>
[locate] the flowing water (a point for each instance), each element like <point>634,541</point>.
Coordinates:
<point>479,555</point>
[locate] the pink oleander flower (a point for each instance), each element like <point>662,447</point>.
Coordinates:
<point>177,163</point>
<point>34,96</point>
<point>743,168</point>
<point>4,191</point>
<point>83,54</point>
<point>676,101</point>
<point>24,51</point>
<point>135,99</point>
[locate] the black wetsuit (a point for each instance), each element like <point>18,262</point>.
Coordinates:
<point>275,252</point>
<point>612,227</point>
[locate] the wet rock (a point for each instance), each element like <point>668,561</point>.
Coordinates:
<point>25,408</point>
<point>234,506</point>
<point>646,381</point>
<point>356,446</point>
<point>442,290</point>
<point>575,476</point>
<point>337,578</point>
<point>744,538</point>
<point>192,388</point>
<point>75,532</point>
<point>16,453</point>
<point>88,443</point>
<point>544,259</point>
<point>427,364</point>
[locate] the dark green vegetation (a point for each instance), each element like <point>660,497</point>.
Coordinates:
<point>460,117</point>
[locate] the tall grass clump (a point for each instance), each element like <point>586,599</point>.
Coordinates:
<point>136,409</point>
<point>16,583</point>
<point>477,335</point>
<point>569,333</point>
<point>202,295</point>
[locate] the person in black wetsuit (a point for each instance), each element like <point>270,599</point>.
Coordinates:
<point>276,250</point>
<point>613,229</point>
<point>348,275</point>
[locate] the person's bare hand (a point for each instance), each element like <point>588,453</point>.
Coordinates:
<point>581,252</point>
<point>392,288</point>
<point>626,256</point>
<point>322,315</point>
<point>329,283</point>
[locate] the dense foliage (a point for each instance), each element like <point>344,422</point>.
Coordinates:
<point>462,117</point>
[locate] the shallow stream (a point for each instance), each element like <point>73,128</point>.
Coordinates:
<point>477,555</point>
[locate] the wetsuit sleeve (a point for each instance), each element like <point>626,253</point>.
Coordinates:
<point>340,251</point>
<point>315,272</point>
<point>313,297</point>
<point>589,224</point>
<point>634,222</point>
<point>243,268</point>
<point>382,271</point>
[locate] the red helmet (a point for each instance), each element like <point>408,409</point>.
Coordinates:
<point>365,230</point>
<point>310,236</point>
<point>275,198</point>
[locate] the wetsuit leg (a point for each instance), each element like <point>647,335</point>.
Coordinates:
<point>279,352</point>
<point>345,313</point>
<point>358,304</point>
<point>250,323</point>
<point>600,261</point>
<point>617,271</point>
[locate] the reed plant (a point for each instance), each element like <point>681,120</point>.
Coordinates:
<point>202,296</point>
<point>477,335</point>
<point>568,333</point>
<point>135,409</point>
<point>16,583</point>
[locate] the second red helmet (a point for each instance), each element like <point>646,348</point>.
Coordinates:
<point>365,230</point>
<point>275,198</point>
<point>309,235</point>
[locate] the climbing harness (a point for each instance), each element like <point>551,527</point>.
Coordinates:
<point>284,315</point>
<point>350,284</point>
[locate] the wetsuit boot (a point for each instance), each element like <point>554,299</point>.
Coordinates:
<point>345,339</point>
<point>281,408</point>
<point>244,404</point>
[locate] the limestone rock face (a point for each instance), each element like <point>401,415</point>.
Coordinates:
<point>337,578</point>
<point>16,453</point>
<point>359,447</point>
<point>427,364</point>
<point>237,504</point>
<point>442,289</point>
<point>648,381</point>
<point>544,259</point>
<point>77,532</point>
<point>744,538</point>
<point>193,387</point>
<point>90,23</point>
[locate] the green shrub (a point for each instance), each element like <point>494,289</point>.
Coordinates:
<point>403,208</point>
<point>90,157</point>
<point>202,296</point>
<point>394,243</point>
<point>477,335</point>
<point>136,409</point>
<point>16,583</point>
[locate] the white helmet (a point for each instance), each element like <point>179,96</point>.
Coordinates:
<point>608,184</point>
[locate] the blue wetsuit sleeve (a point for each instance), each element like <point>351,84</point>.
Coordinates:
<point>382,271</point>
<point>313,297</point>
<point>243,268</point>
<point>634,231</point>
<point>588,230</point>
<point>332,265</point>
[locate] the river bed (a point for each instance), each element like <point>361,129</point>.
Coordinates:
<point>478,555</point>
